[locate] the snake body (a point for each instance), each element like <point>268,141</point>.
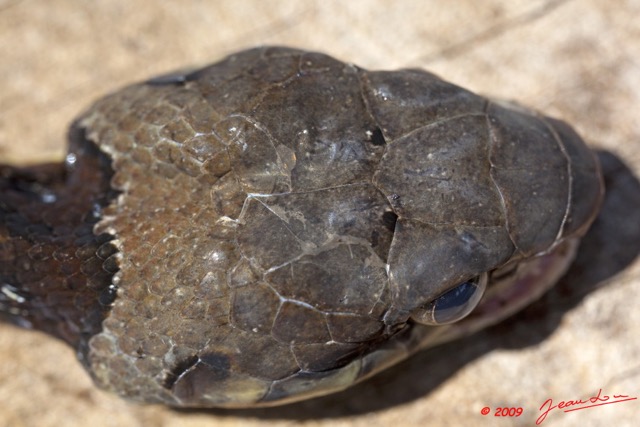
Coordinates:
<point>280,225</point>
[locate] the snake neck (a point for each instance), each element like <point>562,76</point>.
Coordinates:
<point>55,273</point>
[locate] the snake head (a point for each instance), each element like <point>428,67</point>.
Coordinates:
<point>281,225</point>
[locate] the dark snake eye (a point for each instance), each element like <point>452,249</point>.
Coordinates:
<point>454,304</point>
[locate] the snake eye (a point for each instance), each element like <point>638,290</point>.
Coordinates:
<point>453,305</point>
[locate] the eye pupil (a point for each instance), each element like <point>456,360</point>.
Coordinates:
<point>454,304</point>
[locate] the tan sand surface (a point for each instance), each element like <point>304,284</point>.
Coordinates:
<point>575,59</point>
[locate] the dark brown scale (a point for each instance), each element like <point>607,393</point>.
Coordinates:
<point>281,225</point>
<point>59,271</point>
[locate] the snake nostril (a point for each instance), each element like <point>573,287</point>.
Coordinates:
<point>377,138</point>
<point>389,220</point>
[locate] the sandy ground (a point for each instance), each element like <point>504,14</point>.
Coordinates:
<point>577,60</point>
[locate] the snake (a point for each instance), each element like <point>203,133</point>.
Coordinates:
<point>281,225</point>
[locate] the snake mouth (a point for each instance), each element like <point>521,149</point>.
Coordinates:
<point>510,289</point>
